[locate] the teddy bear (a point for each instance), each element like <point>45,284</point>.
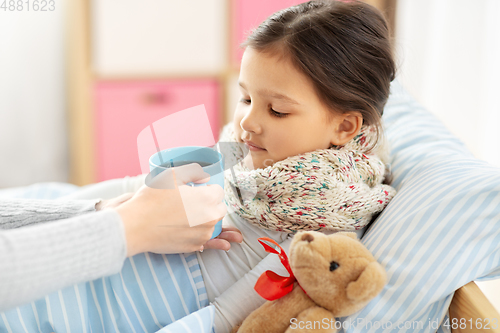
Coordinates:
<point>330,276</point>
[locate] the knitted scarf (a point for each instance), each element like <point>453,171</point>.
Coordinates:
<point>339,188</point>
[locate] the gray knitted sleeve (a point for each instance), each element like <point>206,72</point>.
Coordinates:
<point>42,258</point>
<point>15,213</point>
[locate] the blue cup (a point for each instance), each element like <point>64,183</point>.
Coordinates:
<point>211,158</point>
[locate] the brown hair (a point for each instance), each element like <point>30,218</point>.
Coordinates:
<point>344,47</point>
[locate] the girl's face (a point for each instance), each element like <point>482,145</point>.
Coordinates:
<point>280,112</point>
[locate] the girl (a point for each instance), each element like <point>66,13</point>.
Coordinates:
<point>314,79</point>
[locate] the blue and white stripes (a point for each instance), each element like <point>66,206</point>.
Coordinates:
<point>145,296</point>
<point>197,322</point>
<point>151,292</point>
<point>441,231</point>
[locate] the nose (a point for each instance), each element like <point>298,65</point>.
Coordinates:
<point>250,121</point>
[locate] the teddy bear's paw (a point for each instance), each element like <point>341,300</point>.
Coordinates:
<point>313,320</point>
<point>235,329</point>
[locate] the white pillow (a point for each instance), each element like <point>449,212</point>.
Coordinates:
<point>441,230</point>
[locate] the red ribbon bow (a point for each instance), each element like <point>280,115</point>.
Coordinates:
<point>270,285</point>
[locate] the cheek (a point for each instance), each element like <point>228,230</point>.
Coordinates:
<point>284,141</point>
<point>300,138</point>
<point>237,117</point>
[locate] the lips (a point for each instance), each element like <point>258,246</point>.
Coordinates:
<point>251,144</point>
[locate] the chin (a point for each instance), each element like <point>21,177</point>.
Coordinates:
<point>248,162</point>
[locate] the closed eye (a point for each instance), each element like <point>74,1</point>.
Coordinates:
<point>278,114</point>
<point>273,112</point>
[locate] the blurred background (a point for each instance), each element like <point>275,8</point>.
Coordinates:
<point>79,79</point>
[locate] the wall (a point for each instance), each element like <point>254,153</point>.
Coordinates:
<point>448,53</point>
<point>32,97</point>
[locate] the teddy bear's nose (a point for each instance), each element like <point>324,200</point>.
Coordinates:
<point>307,237</point>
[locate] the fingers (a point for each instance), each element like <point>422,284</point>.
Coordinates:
<point>161,179</point>
<point>210,194</point>
<point>203,180</point>
<point>202,204</point>
<point>218,213</point>
<point>171,178</point>
<point>231,236</point>
<point>223,241</point>
<point>218,244</point>
<point>211,199</point>
<point>221,209</point>
<point>190,173</point>
<point>231,229</point>
<point>213,192</point>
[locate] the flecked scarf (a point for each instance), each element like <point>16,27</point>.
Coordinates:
<point>339,188</point>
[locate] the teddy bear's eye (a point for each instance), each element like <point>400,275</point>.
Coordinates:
<point>333,266</point>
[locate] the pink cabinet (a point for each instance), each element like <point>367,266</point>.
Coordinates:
<point>124,108</point>
<point>248,14</point>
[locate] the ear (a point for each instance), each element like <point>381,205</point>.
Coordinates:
<point>348,126</point>
<point>369,284</point>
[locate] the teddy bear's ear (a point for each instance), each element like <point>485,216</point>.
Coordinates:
<point>369,284</point>
<point>348,234</point>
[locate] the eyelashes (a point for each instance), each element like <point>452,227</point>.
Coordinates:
<point>273,112</point>
<point>278,114</point>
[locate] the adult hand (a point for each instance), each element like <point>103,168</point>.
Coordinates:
<point>227,236</point>
<point>113,203</point>
<point>173,217</point>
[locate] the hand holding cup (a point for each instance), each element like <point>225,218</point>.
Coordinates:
<point>173,217</point>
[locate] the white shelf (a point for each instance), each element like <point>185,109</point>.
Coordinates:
<point>130,37</point>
